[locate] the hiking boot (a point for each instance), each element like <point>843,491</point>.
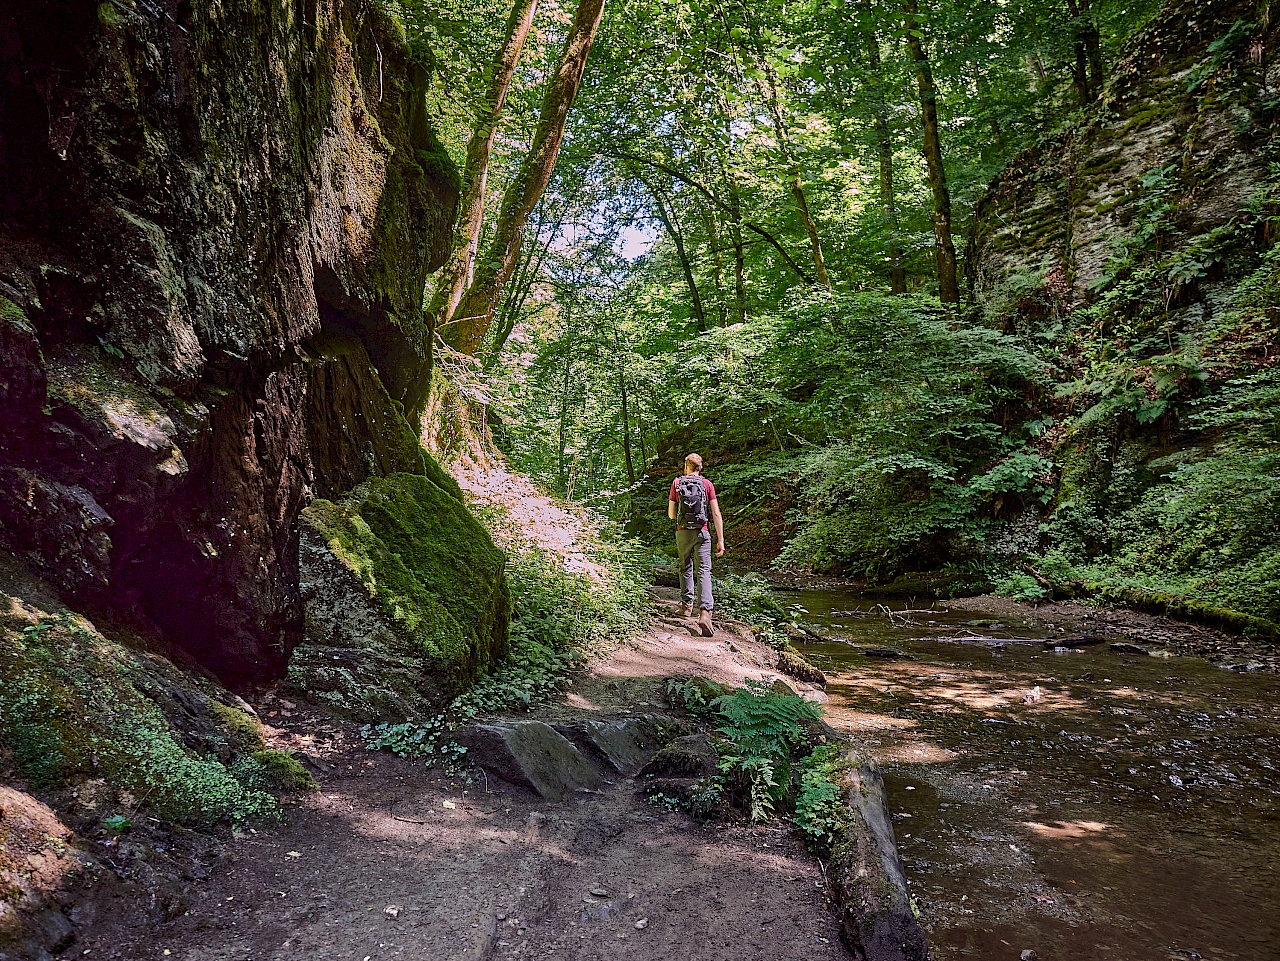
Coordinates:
<point>685,610</point>
<point>704,623</point>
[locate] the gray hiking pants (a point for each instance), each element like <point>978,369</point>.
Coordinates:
<point>695,546</point>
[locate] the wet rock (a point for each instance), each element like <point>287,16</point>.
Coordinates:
<point>1028,955</point>
<point>531,755</point>
<point>1124,647</point>
<point>1070,641</point>
<point>885,653</point>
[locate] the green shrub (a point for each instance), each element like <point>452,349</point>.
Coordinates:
<point>821,813</point>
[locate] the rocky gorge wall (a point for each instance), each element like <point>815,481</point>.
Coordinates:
<point>1135,251</point>
<point>216,225</point>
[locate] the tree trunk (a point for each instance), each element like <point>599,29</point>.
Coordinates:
<point>673,231</point>
<point>466,234</point>
<point>712,229</point>
<point>521,285</point>
<point>884,142</point>
<point>626,421</point>
<point>797,186</point>
<point>943,246</point>
<point>739,249</point>
<point>475,312</point>
<point>1086,73</point>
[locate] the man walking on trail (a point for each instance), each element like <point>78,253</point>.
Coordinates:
<point>691,504</point>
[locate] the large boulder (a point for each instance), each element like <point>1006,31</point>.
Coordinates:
<point>216,223</point>
<point>406,599</point>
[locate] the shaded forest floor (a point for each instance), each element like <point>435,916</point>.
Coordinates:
<point>391,860</point>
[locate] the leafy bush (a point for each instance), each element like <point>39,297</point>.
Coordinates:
<point>820,809</point>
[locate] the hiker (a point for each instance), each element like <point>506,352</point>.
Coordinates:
<point>691,504</point>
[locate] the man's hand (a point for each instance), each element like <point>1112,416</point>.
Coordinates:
<point>720,549</point>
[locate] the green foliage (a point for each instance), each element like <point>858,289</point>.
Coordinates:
<point>749,598</point>
<point>1020,587</point>
<point>116,823</point>
<point>762,728</point>
<point>761,722</point>
<point>408,739</point>
<point>1208,527</point>
<point>74,705</point>
<point>914,452</point>
<point>765,730</point>
<point>820,809</point>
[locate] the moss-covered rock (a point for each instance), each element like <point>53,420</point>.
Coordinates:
<point>406,598</point>
<point>78,708</point>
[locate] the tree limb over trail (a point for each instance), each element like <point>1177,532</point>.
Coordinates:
<point>718,203</point>
<point>466,235</point>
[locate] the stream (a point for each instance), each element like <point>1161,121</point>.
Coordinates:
<point>1080,803</point>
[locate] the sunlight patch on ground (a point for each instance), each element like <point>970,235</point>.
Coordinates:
<point>541,520</point>
<point>916,752</point>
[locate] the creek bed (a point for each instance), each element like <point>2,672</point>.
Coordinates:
<point>1082,803</point>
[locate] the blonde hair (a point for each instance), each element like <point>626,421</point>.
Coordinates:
<point>693,461</point>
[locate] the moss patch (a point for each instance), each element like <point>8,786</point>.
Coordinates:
<point>430,566</point>
<point>75,705</point>
<point>283,771</point>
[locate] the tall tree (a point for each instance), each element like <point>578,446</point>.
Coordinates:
<point>474,315</point>
<point>466,233</point>
<point>943,246</point>
<point>672,227</point>
<point>770,89</point>
<point>884,147</point>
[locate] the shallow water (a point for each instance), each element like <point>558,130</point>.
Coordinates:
<point>1082,804</point>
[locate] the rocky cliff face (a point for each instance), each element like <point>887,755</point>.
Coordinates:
<point>1137,253</point>
<point>1171,167</point>
<point>216,223</point>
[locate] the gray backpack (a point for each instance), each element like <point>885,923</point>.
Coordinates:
<point>691,502</point>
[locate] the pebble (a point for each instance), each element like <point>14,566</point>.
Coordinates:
<point>642,924</point>
<point>600,892</point>
<point>1028,955</point>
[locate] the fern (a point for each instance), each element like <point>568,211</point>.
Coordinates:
<point>763,723</point>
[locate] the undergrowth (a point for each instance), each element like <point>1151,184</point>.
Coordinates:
<point>560,617</point>
<point>76,706</point>
<point>772,762</point>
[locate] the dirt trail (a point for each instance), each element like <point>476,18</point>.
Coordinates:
<point>390,860</point>
<point>541,519</point>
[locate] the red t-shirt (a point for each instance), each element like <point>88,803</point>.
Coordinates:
<point>711,496</point>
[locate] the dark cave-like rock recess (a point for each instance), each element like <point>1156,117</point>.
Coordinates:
<point>216,223</point>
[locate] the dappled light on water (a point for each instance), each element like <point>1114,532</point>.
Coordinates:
<point>1124,805</point>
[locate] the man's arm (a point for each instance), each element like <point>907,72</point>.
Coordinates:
<point>671,509</point>
<point>719,522</point>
